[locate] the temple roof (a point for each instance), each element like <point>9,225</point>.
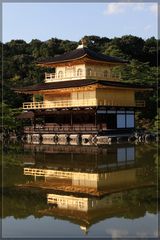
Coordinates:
<point>78,83</point>
<point>80,53</point>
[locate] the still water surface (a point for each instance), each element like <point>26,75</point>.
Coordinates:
<point>80,191</point>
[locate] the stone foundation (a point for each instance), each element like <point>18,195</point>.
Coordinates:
<point>36,138</point>
<point>62,139</point>
<point>48,138</point>
<point>85,139</point>
<point>74,139</point>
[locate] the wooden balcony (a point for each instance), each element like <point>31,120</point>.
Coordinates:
<point>47,173</point>
<point>51,77</point>
<point>77,128</point>
<point>80,103</point>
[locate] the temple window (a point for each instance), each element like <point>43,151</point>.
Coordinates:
<point>125,120</point>
<point>60,74</point>
<point>115,74</point>
<point>120,120</point>
<point>129,120</point>
<point>89,72</point>
<point>106,73</point>
<point>79,72</point>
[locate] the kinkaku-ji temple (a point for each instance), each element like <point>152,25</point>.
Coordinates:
<point>84,96</point>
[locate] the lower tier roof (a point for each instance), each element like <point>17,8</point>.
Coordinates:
<point>78,83</point>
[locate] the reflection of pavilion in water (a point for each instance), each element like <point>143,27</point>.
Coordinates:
<point>82,158</point>
<point>85,211</point>
<point>86,187</point>
<point>94,177</point>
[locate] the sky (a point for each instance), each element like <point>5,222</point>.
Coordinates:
<point>72,21</point>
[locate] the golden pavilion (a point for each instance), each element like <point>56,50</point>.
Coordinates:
<point>82,95</point>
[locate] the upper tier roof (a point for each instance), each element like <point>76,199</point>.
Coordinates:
<point>79,53</point>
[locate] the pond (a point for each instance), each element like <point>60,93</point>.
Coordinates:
<point>80,191</point>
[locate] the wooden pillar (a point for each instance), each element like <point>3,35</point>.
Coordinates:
<point>33,98</point>
<point>106,119</point>
<point>95,114</point>
<point>71,118</point>
<point>33,122</point>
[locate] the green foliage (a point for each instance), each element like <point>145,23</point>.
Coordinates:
<point>8,117</point>
<point>113,50</point>
<point>22,203</point>
<point>140,73</point>
<point>156,122</point>
<point>19,68</point>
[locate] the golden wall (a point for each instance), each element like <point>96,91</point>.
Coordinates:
<point>124,97</point>
<point>83,95</point>
<point>57,97</point>
<point>114,97</point>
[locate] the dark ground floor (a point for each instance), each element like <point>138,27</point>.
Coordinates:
<point>90,120</point>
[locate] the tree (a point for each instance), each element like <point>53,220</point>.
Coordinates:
<point>8,117</point>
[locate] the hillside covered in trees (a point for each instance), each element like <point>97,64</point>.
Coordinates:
<point>19,68</point>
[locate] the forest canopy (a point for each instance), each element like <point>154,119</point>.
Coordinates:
<point>19,68</point>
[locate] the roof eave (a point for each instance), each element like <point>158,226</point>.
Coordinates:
<point>33,91</point>
<point>60,61</point>
<point>42,64</point>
